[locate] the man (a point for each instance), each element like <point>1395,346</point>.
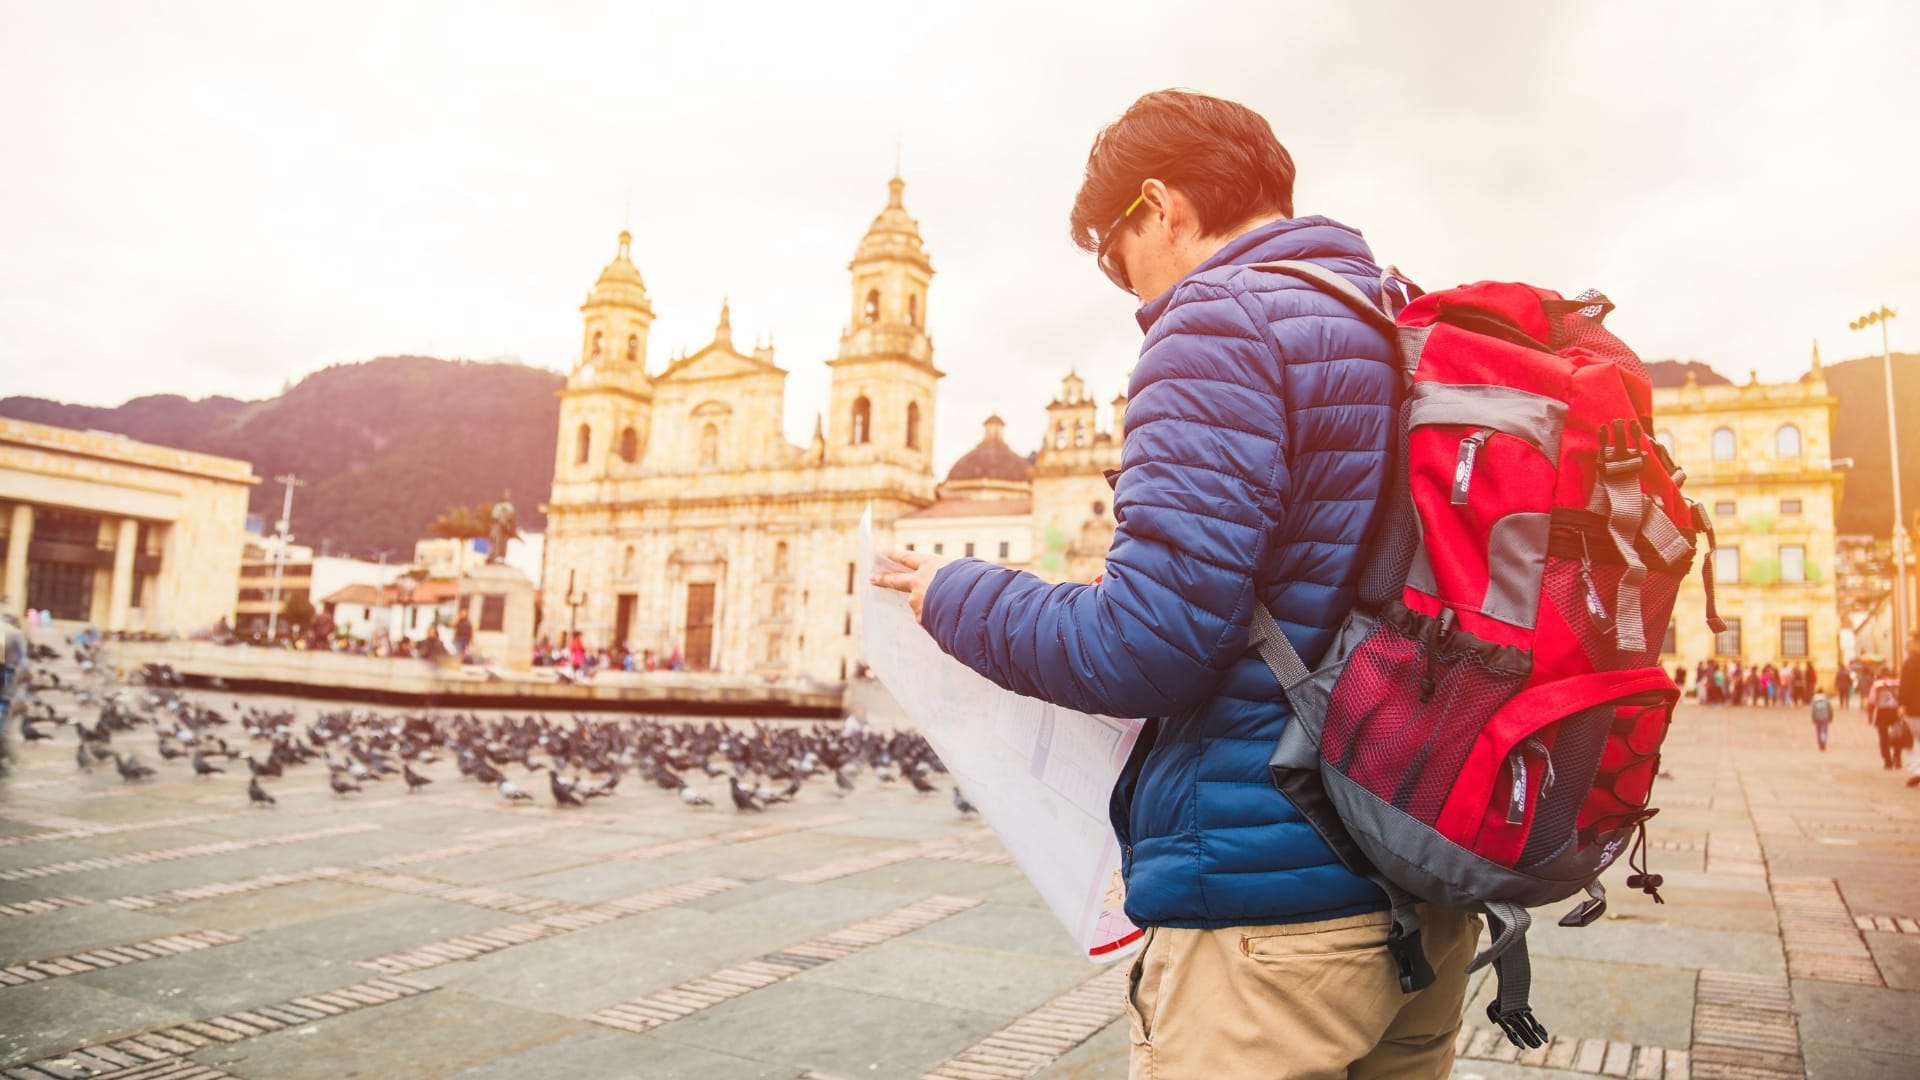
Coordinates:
<point>13,669</point>
<point>1259,422</point>
<point>1883,712</point>
<point>1910,707</point>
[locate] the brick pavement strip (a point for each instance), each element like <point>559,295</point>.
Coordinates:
<point>467,946</point>
<point>47,903</point>
<point>81,829</point>
<point>1886,924</point>
<point>1743,1028</point>
<point>1594,1057</point>
<point>1030,1043</point>
<point>141,858</point>
<point>158,1054</point>
<point>1821,938</point>
<point>945,848</point>
<point>80,963</point>
<point>664,1006</point>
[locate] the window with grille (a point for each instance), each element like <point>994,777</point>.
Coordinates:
<point>1793,637</point>
<point>1789,506</point>
<point>1727,642</point>
<point>1005,547</point>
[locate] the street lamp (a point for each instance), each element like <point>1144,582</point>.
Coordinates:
<point>280,555</point>
<point>1900,613</point>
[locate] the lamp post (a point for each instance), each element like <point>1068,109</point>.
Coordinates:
<point>280,555</point>
<point>1900,612</point>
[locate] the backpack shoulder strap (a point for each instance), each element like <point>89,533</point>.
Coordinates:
<point>1329,282</point>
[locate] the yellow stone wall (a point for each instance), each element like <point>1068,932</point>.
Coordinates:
<point>1744,493</point>
<point>194,507</point>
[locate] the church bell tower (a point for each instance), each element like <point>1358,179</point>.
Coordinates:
<point>883,377</point>
<point>608,400</point>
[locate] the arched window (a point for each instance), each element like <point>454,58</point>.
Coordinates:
<point>710,445</point>
<point>596,346</point>
<point>913,309</point>
<point>913,425</point>
<point>1079,433</point>
<point>582,444</point>
<point>1725,446</point>
<point>1786,441</point>
<point>862,420</point>
<point>1664,438</point>
<point>782,560</point>
<point>626,562</point>
<point>1060,435</point>
<point>629,445</point>
<point>633,347</point>
<point>871,312</point>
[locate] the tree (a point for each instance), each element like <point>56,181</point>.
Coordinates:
<point>297,613</point>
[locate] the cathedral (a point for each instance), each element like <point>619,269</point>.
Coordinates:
<point>682,518</point>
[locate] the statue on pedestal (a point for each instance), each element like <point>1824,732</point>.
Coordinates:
<point>504,528</point>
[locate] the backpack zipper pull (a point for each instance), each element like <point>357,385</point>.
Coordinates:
<point>1517,801</point>
<point>1463,465</point>
<point>1597,612</point>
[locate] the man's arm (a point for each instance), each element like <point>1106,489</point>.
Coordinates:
<point>1198,502</point>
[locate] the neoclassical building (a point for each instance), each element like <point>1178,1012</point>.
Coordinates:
<point>1759,459</point>
<point>682,518</point>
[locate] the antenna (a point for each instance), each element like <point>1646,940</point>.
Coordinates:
<point>899,142</point>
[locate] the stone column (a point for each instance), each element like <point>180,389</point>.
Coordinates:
<point>14,592</point>
<point>120,594</point>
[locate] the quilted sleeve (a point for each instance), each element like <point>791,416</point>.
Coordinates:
<point>1201,491</point>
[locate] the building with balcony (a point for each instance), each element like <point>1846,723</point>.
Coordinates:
<point>125,535</point>
<point>1758,459</point>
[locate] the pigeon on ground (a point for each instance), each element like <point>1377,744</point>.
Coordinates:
<point>961,804</point>
<point>512,791</point>
<point>130,767</point>
<point>257,795</point>
<point>743,796</point>
<point>414,780</point>
<point>341,785</point>
<point>920,782</point>
<point>694,798</point>
<point>562,791</point>
<point>203,767</point>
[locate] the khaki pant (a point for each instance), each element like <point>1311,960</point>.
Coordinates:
<point>1304,1001</point>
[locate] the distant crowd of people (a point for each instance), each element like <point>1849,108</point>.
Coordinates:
<point>571,651</point>
<point>1728,682</point>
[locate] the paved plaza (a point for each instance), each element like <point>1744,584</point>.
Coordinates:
<point>164,930</point>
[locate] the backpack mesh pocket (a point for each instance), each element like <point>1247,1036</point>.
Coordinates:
<point>1409,705</point>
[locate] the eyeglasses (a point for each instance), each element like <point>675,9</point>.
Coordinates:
<point>1109,265</point>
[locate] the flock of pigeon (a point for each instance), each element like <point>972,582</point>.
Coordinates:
<point>583,759</point>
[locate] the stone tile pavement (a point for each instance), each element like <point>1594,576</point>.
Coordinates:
<point>166,931</point>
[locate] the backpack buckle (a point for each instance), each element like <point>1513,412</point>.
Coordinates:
<point>1415,973</point>
<point>1519,1026</point>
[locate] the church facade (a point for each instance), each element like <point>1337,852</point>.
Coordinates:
<point>682,518</point>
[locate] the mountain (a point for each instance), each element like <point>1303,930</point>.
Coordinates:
<point>1860,433</point>
<point>1672,374</point>
<point>383,446</point>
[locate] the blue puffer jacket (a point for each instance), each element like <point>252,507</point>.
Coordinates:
<point>1256,449</point>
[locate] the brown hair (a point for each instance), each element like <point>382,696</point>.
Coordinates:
<point>1220,154</point>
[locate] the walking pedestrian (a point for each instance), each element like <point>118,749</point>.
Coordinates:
<point>1822,710</point>
<point>1264,955</point>
<point>1843,686</point>
<point>462,634</point>
<point>1910,707</point>
<point>1884,714</point>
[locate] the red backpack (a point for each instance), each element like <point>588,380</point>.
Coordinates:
<point>1485,730</point>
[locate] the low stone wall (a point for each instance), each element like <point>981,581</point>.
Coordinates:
<point>390,680</point>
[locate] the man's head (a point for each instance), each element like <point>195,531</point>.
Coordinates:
<point>1171,181</point>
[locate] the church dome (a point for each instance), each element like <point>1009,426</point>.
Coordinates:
<point>621,270</point>
<point>992,460</point>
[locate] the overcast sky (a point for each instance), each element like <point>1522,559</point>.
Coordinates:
<point>220,198</point>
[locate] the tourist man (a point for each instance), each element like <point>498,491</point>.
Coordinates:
<point>1258,428</point>
<point>13,669</point>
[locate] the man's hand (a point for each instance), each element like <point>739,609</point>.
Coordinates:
<point>915,580</point>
